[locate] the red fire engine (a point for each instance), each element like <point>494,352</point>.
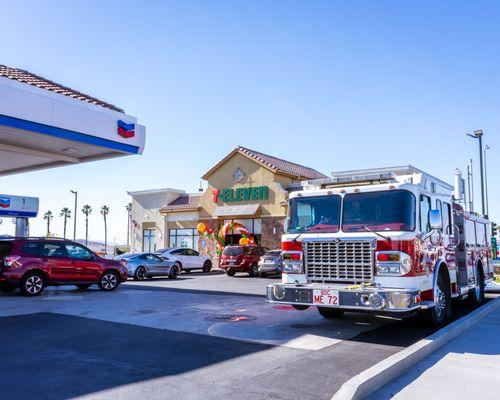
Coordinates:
<point>390,240</point>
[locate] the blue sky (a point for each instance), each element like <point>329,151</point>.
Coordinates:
<point>332,85</point>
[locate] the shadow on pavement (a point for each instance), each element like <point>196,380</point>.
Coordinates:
<point>53,356</point>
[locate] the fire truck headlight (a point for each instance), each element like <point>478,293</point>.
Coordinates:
<point>292,268</point>
<point>392,263</point>
<point>292,262</point>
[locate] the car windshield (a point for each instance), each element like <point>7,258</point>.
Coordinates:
<point>379,211</point>
<point>233,251</point>
<point>314,214</point>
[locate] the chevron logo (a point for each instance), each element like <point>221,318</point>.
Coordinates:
<point>125,130</point>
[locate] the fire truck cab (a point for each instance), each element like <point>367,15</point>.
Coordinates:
<point>387,241</point>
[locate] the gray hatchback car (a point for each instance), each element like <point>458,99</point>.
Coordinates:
<point>146,265</point>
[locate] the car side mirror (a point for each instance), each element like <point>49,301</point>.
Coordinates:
<point>435,219</point>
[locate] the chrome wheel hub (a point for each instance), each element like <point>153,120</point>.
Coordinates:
<point>34,284</point>
<point>440,299</point>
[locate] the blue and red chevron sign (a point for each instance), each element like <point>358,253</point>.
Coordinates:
<point>4,202</point>
<point>125,130</point>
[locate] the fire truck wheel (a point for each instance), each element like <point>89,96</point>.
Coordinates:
<point>437,315</point>
<point>476,295</point>
<point>330,313</point>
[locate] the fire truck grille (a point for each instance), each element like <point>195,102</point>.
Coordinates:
<point>341,261</point>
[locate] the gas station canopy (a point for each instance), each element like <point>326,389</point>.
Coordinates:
<point>44,125</point>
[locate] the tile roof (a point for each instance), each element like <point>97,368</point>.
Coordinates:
<point>42,83</point>
<point>186,202</point>
<point>273,163</point>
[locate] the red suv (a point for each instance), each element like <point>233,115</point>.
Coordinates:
<point>30,264</point>
<point>241,259</point>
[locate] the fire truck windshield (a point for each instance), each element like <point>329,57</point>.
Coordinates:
<point>314,214</point>
<point>392,210</point>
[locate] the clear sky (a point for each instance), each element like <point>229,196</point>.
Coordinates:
<point>333,85</point>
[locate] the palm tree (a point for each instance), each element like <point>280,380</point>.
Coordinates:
<point>66,214</point>
<point>87,210</point>
<point>48,216</point>
<point>128,207</point>
<point>104,212</point>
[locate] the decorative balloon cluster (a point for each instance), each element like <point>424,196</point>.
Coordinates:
<point>220,237</point>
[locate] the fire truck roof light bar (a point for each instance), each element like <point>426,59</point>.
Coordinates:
<point>372,175</point>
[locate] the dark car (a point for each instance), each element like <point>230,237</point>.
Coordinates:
<point>241,259</point>
<point>31,264</point>
<point>270,263</point>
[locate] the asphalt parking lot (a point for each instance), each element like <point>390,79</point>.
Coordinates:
<point>200,336</point>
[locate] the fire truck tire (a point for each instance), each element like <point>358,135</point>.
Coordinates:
<point>330,313</point>
<point>476,295</point>
<point>437,315</point>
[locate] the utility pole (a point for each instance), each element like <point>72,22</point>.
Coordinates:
<point>75,213</point>
<point>486,180</point>
<point>479,135</point>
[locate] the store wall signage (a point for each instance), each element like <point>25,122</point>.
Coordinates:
<point>230,195</point>
<point>18,206</point>
<point>125,130</point>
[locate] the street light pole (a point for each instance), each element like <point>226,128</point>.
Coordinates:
<point>74,213</point>
<point>486,180</point>
<point>479,135</point>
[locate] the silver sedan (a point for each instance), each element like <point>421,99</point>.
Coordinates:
<point>146,265</point>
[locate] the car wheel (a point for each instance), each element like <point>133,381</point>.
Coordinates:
<point>254,270</point>
<point>32,284</point>
<point>109,281</point>
<point>330,313</point>
<point>230,272</point>
<point>437,315</point>
<point>174,272</point>
<point>84,286</point>
<point>207,266</point>
<point>476,295</point>
<point>7,288</point>
<point>140,274</point>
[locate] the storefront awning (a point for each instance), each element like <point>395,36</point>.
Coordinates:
<point>233,211</point>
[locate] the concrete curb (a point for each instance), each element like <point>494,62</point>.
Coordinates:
<point>368,381</point>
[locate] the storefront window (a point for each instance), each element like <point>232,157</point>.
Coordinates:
<point>186,238</point>
<point>148,240</point>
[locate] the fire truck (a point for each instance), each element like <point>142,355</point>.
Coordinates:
<point>394,241</point>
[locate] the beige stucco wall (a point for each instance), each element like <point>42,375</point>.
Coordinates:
<point>255,175</point>
<point>146,215</point>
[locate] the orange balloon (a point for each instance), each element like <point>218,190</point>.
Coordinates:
<point>201,227</point>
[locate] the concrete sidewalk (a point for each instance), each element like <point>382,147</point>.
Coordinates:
<point>467,367</point>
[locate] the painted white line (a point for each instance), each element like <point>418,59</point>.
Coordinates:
<point>368,381</point>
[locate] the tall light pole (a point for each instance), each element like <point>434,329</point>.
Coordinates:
<point>479,135</point>
<point>486,180</point>
<point>75,213</point>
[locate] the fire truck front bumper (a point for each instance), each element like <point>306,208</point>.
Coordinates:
<point>346,297</point>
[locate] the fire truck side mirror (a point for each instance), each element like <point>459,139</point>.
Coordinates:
<point>435,219</point>
<point>285,225</point>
